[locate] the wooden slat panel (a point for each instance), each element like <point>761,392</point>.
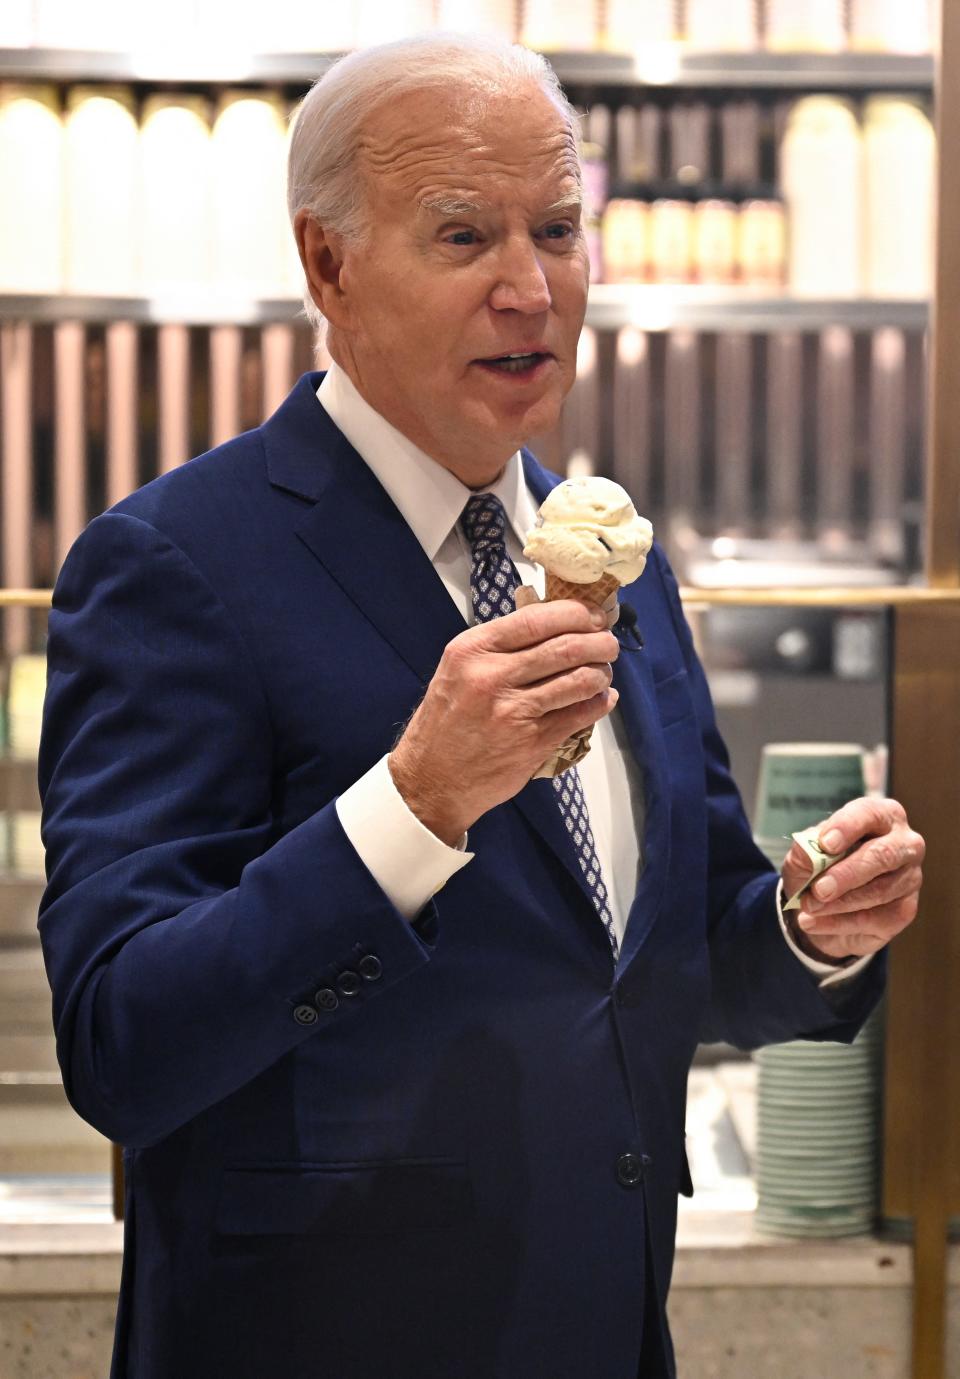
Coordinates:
<point>173,400</point>
<point>226,343</point>
<point>631,414</point>
<point>784,451</point>
<point>16,342</point>
<point>122,418</point>
<point>70,498</point>
<point>734,425</point>
<point>835,424</point>
<point>277,349</point>
<point>682,427</point>
<point>888,444</point>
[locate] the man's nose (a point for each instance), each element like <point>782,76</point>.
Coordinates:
<point>521,283</point>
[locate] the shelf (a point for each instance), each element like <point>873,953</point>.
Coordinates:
<point>670,65</point>
<point>742,309</point>
<point>666,65</point>
<point>780,596</point>
<point>610,307</point>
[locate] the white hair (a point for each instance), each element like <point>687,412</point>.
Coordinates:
<point>321,165</point>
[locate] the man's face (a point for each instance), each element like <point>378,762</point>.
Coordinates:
<point>475,252</point>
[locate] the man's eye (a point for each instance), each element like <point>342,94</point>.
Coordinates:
<point>559,230</point>
<point>464,237</point>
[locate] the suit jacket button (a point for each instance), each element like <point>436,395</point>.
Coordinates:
<point>349,983</point>
<point>326,998</point>
<point>370,967</point>
<point>305,1015</point>
<point>630,1170</point>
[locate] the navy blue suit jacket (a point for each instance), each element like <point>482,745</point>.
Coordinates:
<point>422,1177</point>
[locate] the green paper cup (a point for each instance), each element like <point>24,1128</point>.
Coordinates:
<point>802,783</point>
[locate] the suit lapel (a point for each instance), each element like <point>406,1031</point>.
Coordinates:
<point>632,676</point>
<point>356,532</point>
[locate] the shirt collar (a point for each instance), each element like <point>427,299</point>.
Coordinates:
<point>429,498</point>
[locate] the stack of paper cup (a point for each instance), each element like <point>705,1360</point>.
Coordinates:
<point>818,1122</point>
<point>817,1104</point>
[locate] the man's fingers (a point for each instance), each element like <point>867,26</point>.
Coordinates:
<point>561,691</point>
<point>883,889</point>
<point>876,858</point>
<point>560,654</point>
<point>862,818</point>
<point>881,921</point>
<point>537,623</point>
<point>557,726</point>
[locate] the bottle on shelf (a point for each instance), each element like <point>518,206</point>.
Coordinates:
<point>728,27</point>
<point>175,166</point>
<point>31,175</point>
<point>715,236</point>
<point>630,26</point>
<point>899,179</point>
<point>671,242</point>
<point>102,212</point>
<point>892,26</point>
<point>821,175</point>
<point>553,26</point>
<point>626,235</point>
<point>806,26</point>
<point>762,239</point>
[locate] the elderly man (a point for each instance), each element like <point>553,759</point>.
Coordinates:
<point>401,1091</point>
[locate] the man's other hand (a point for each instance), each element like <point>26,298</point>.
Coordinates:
<point>505,695</point>
<point>866,899</point>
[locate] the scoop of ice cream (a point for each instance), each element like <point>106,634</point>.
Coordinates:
<point>587,528</point>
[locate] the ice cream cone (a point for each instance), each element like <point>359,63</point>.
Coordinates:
<point>594,595</point>
<point>589,528</point>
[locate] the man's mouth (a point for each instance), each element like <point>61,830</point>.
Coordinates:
<point>516,363</point>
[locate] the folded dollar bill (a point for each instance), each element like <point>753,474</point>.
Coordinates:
<point>809,840</point>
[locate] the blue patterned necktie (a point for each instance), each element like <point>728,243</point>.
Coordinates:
<point>493,579</point>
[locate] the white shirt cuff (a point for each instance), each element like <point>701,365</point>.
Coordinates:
<point>408,862</point>
<point>828,974</point>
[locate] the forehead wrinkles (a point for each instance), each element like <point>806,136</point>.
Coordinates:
<point>414,160</point>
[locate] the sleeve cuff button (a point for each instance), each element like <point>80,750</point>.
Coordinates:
<point>370,967</point>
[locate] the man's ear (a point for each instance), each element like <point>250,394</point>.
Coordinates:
<point>321,253</point>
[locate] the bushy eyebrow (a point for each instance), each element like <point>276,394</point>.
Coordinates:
<point>451,205</point>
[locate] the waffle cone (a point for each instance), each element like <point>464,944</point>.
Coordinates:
<point>594,595</point>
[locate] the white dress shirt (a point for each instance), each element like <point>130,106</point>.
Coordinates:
<point>408,862</point>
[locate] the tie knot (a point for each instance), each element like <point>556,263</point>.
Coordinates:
<point>484,522</point>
